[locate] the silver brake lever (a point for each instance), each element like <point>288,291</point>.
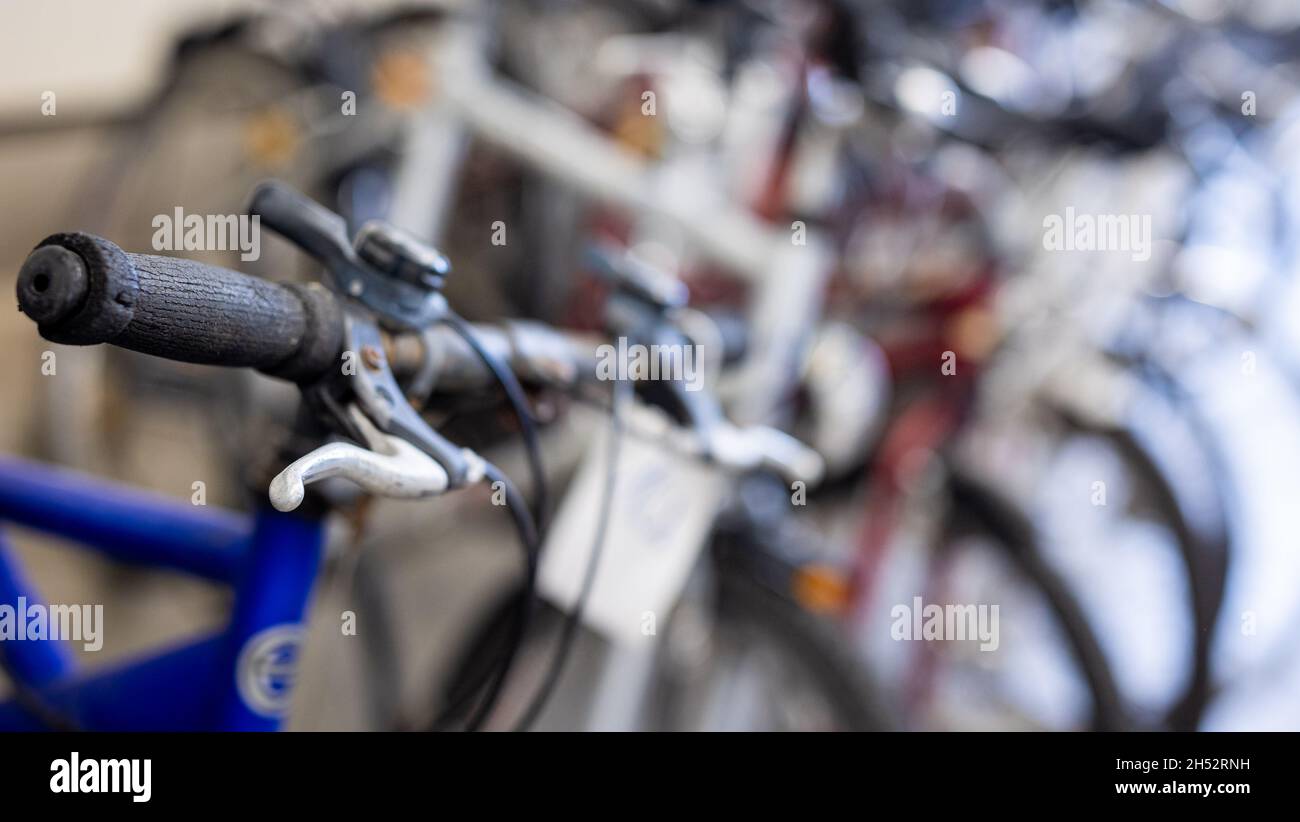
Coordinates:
<point>759,446</point>
<point>394,468</point>
<point>732,447</point>
<point>409,473</point>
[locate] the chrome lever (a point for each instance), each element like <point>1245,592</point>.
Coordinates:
<point>759,446</point>
<point>390,467</point>
<point>408,474</point>
<point>731,447</point>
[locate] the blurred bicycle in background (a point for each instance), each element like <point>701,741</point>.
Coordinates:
<point>1017,272</point>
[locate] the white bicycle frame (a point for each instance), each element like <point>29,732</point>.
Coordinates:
<point>787,279</point>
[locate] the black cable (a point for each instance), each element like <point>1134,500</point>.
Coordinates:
<point>519,402</point>
<point>537,523</point>
<point>574,619</point>
<point>527,531</point>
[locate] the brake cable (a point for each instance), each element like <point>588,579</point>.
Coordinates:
<point>528,537</point>
<point>399,278</point>
<point>519,403</point>
<point>527,525</point>
<point>573,620</point>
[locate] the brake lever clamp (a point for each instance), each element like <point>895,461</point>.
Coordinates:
<point>390,272</point>
<point>381,400</point>
<point>385,275</point>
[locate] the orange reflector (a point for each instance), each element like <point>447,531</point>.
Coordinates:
<point>821,588</point>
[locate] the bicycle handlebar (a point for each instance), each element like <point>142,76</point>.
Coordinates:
<point>82,290</point>
<point>535,352</point>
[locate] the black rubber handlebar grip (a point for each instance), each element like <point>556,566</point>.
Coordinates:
<point>82,290</point>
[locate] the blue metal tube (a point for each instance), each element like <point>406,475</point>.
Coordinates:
<point>34,662</point>
<point>174,690</point>
<point>265,636</point>
<point>127,524</point>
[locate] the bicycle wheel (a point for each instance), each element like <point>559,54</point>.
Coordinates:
<point>1049,669</point>
<point>1196,555</point>
<point>1126,585</point>
<point>756,661</point>
<point>756,642</point>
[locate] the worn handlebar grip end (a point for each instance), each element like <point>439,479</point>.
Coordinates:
<point>80,289</point>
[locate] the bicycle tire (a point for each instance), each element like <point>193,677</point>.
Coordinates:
<point>743,602</point>
<point>976,505</point>
<point>1204,559</point>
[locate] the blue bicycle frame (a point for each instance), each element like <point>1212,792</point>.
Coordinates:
<point>239,679</point>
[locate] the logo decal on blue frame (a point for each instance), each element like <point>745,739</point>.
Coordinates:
<point>266,669</point>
